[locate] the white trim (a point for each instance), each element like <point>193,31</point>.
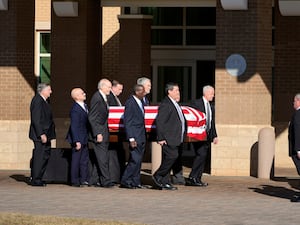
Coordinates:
<point>3,4</point>
<point>159,3</point>
<point>133,16</point>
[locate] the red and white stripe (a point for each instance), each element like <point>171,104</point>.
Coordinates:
<point>195,120</point>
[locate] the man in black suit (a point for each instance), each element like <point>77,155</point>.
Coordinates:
<point>117,157</point>
<point>134,123</point>
<point>202,147</point>
<point>41,132</point>
<point>98,119</point>
<point>171,130</point>
<point>78,138</point>
<point>294,137</point>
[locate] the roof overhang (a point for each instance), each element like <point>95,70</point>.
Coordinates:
<point>158,3</point>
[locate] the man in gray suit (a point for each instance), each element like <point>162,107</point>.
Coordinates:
<point>98,118</point>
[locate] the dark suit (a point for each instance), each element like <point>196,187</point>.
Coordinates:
<point>41,123</point>
<point>98,118</point>
<point>202,148</point>
<point>134,124</point>
<point>169,128</point>
<point>294,139</point>
<point>78,132</point>
<point>117,158</point>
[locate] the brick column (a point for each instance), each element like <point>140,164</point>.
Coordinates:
<point>18,83</point>
<point>243,103</point>
<point>287,66</point>
<point>135,49</point>
<point>75,59</point>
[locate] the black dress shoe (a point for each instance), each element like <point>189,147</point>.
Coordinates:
<point>140,186</point>
<point>85,183</point>
<point>157,182</point>
<point>169,187</point>
<point>295,198</point>
<point>128,186</point>
<point>38,184</point>
<point>195,182</point>
<point>109,185</point>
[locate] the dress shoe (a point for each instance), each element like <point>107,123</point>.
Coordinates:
<point>38,184</point>
<point>157,182</point>
<point>75,185</point>
<point>295,198</point>
<point>95,185</point>
<point>128,186</point>
<point>169,187</point>
<point>194,182</point>
<point>85,183</point>
<point>140,186</point>
<point>109,185</point>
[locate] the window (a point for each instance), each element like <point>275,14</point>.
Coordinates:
<point>176,26</point>
<point>44,57</point>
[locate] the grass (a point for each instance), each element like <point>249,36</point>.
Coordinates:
<point>25,219</point>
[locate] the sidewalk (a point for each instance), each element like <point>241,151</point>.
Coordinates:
<point>227,200</point>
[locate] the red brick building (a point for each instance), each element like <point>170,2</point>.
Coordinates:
<point>189,42</point>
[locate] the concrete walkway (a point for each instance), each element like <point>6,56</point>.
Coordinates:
<point>227,200</point>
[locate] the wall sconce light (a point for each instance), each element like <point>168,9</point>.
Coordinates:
<point>289,8</point>
<point>234,4</point>
<point>66,9</point>
<point>3,4</point>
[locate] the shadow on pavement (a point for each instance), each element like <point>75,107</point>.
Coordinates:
<point>280,192</point>
<point>21,178</point>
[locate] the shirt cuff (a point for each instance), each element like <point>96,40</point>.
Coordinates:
<point>131,139</point>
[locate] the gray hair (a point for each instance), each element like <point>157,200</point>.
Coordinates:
<point>206,88</point>
<point>102,83</point>
<point>41,86</point>
<point>297,96</point>
<point>142,80</point>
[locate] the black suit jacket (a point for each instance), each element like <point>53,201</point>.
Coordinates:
<point>78,130</point>
<point>294,133</point>
<point>134,121</point>
<point>98,117</point>
<point>199,105</point>
<point>111,100</point>
<point>168,123</point>
<point>41,119</point>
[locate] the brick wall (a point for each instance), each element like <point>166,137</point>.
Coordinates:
<point>287,66</point>
<point>135,50</point>
<point>76,59</point>
<point>110,43</point>
<point>243,104</point>
<point>17,83</point>
<point>43,10</point>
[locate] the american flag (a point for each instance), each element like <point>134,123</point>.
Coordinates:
<point>195,120</point>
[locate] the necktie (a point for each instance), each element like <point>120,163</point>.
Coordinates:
<point>86,108</point>
<point>180,114</point>
<point>141,106</point>
<point>118,101</point>
<point>208,116</point>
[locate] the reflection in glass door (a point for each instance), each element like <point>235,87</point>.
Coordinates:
<point>182,75</point>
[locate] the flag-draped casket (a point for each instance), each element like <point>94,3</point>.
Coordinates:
<point>195,120</point>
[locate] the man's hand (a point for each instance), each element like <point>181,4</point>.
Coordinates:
<point>78,146</point>
<point>298,154</point>
<point>99,138</point>
<point>133,144</point>
<point>215,141</point>
<point>163,142</point>
<point>44,138</point>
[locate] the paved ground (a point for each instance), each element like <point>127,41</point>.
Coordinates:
<point>227,200</point>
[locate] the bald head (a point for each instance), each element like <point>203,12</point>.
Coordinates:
<point>78,95</point>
